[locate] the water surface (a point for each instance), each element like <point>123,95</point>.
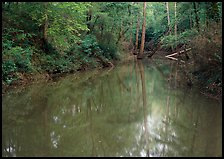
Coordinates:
<point>135,109</point>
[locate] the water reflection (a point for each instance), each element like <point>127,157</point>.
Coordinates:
<point>135,109</point>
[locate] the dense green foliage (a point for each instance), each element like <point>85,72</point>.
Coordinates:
<point>59,37</point>
<point>199,26</point>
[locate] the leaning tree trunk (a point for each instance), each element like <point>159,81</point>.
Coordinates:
<point>140,55</point>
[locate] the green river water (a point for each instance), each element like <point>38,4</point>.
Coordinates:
<point>133,109</point>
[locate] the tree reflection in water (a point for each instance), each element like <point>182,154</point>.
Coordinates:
<point>127,111</point>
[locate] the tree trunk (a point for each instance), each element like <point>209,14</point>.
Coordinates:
<point>190,18</point>
<point>45,23</point>
<point>140,55</point>
<point>168,19</point>
<point>88,19</point>
<point>101,29</point>
<point>131,43</point>
<point>45,28</point>
<point>175,12</point>
<point>168,16</point>
<point>175,27</point>
<point>196,15</point>
<point>137,30</point>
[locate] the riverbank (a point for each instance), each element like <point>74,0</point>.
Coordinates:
<point>26,79</point>
<point>193,75</point>
<point>213,90</point>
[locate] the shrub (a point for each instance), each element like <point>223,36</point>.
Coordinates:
<point>15,60</point>
<point>90,46</point>
<point>182,38</point>
<point>207,47</point>
<point>109,50</point>
<point>8,70</point>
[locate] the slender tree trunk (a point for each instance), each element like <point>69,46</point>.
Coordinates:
<point>45,28</point>
<point>190,17</point>
<point>137,30</point>
<point>175,27</point>
<point>101,29</point>
<point>140,55</point>
<point>88,19</point>
<point>131,43</point>
<point>168,16</point>
<point>175,12</point>
<point>196,15</point>
<point>45,23</point>
<point>131,33</point>
<point>168,20</point>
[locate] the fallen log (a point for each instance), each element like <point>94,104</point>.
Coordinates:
<point>177,53</point>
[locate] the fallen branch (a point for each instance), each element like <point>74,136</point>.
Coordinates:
<point>172,58</point>
<point>177,53</point>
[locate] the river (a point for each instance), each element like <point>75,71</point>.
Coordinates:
<point>134,109</point>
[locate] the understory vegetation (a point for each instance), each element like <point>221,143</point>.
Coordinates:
<point>56,37</point>
<point>63,37</point>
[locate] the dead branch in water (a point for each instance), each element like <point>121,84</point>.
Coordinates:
<point>178,53</point>
<point>172,58</point>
